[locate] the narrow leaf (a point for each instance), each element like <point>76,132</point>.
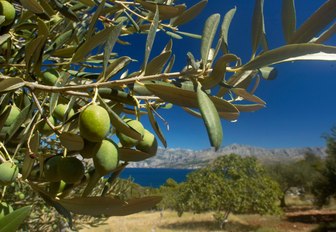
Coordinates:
<point>191,35</point>
<point>225,29</point>
<point>107,206</point>
<point>155,125</point>
<point>315,23</point>
<point>189,14</point>
<point>326,34</point>
<point>88,2</point>
<point>218,72</point>
<point>166,11</point>
<point>115,67</point>
<point>111,40</point>
<point>72,142</point>
<point>258,26</point>
<point>156,64</point>
<point>288,18</point>
<point>94,19</point>
<point>247,96</point>
<point>33,6</point>
<point>21,118</point>
<point>292,52</point>
<point>90,44</point>
<point>11,84</point>
<point>151,38</point>
<point>209,32</point>
<point>4,37</point>
<point>11,222</point>
<point>185,96</point>
<point>268,73</point>
<point>249,107</point>
<point>131,155</point>
<point>118,123</point>
<point>210,117</point>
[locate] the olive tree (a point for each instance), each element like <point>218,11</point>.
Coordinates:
<point>231,184</point>
<point>65,92</point>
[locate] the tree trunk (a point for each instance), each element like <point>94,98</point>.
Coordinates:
<point>283,201</point>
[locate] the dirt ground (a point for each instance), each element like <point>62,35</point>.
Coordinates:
<point>169,221</point>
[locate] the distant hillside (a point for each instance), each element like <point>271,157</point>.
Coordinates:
<point>186,158</point>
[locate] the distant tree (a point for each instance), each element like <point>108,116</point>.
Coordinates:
<point>299,174</point>
<point>325,185</point>
<point>231,184</point>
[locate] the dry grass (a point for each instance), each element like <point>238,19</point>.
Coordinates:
<point>169,221</point>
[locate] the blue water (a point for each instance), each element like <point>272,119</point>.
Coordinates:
<point>154,177</point>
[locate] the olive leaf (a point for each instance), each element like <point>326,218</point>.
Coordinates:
<point>292,52</point>
<point>4,37</point>
<point>288,18</point>
<point>118,123</point>
<point>249,107</point>
<point>10,84</point>
<point>94,19</point>
<point>326,34</point>
<point>112,39</point>
<point>156,64</point>
<point>210,117</point>
<point>11,222</point>
<point>72,142</point>
<point>268,73</point>
<point>166,11</point>
<point>187,97</point>
<point>247,96</point>
<point>151,37</point>
<point>117,95</point>
<point>209,32</point>
<point>225,29</point>
<point>114,68</point>
<point>189,14</point>
<point>218,72</point>
<point>258,26</point>
<point>96,40</point>
<point>315,23</point>
<point>107,206</point>
<point>131,155</point>
<point>155,125</point>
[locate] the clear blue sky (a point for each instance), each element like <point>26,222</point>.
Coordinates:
<point>300,102</point>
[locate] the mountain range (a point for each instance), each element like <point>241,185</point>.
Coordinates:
<point>191,159</point>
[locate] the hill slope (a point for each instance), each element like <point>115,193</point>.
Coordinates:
<point>186,158</point>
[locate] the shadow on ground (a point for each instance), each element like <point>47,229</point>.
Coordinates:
<point>208,225</point>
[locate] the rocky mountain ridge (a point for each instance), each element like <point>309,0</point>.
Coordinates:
<point>187,158</point>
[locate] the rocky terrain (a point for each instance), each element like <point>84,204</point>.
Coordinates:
<point>187,158</point>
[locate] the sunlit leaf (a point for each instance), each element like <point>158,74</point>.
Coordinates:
<point>11,222</point>
<point>218,71</point>
<point>209,32</point>
<point>189,14</point>
<point>249,107</point>
<point>33,6</point>
<point>151,38</point>
<point>191,35</point>
<point>188,98</point>
<point>247,96</point>
<point>131,155</point>
<point>292,52</point>
<point>10,84</point>
<point>155,125</point>
<point>107,206</point>
<point>225,29</point>
<point>326,34</point>
<point>94,19</point>
<point>88,2</point>
<point>315,23</point>
<point>115,67</point>
<point>166,11</point>
<point>156,64</point>
<point>288,18</point>
<point>268,73</point>
<point>210,117</point>
<point>91,43</point>
<point>112,39</point>
<point>258,26</point>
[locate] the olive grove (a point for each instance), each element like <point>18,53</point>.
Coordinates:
<point>70,112</point>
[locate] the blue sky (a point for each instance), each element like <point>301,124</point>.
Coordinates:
<point>300,102</point>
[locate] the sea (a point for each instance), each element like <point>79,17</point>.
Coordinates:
<point>154,177</point>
